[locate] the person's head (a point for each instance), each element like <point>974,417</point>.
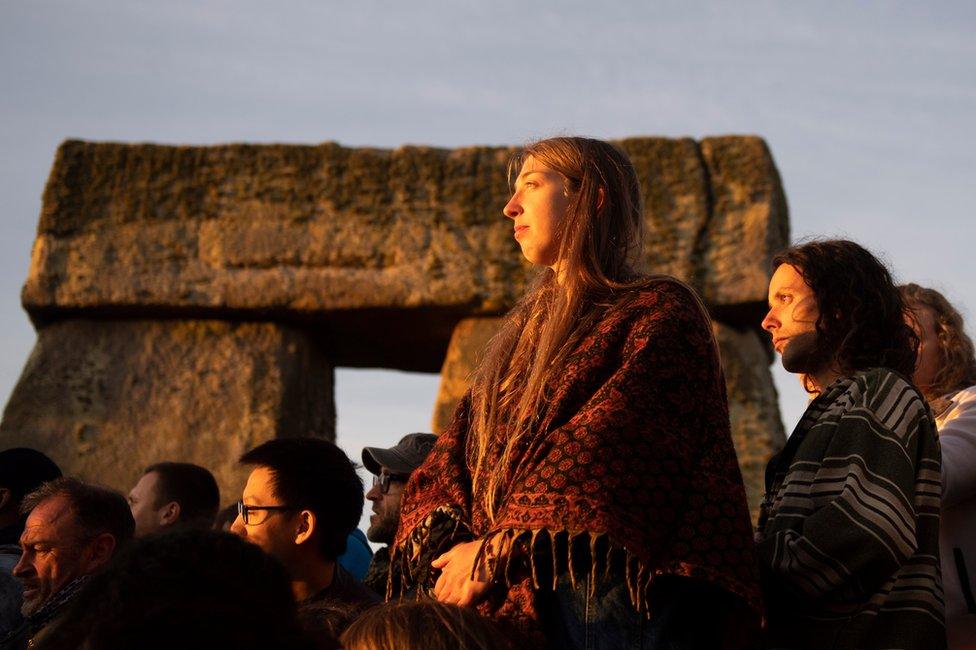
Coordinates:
<point>174,494</point>
<point>196,587</point>
<point>301,501</point>
<point>391,468</point>
<point>423,625</point>
<point>325,620</point>
<point>834,310</point>
<point>72,530</point>
<point>946,360</point>
<point>22,470</point>
<point>576,203</point>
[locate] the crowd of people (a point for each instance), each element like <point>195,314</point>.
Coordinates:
<point>586,493</point>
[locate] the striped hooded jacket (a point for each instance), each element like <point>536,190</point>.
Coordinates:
<point>848,535</point>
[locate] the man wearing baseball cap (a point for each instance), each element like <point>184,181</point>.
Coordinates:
<point>390,468</point>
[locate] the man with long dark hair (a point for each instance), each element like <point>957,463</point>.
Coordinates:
<point>848,535</point>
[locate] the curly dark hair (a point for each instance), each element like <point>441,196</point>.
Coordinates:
<point>862,322</point>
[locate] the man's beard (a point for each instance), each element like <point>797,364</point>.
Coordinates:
<point>383,531</point>
<point>28,607</point>
<point>803,354</point>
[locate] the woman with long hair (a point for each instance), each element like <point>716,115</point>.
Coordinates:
<point>587,488</point>
<point>946,375</point>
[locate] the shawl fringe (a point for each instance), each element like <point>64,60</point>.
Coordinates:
<point>523,545</point>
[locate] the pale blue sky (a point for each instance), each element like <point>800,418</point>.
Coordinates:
<point>868,108</point>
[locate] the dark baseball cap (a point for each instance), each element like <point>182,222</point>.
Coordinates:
<point>402,458</point>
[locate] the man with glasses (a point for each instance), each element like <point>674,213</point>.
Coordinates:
<point>301,501</point>
<point>390,468</point>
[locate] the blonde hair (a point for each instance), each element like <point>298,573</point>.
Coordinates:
<point>600,241</point>
<point>957,369</point>
<point>422,625</point>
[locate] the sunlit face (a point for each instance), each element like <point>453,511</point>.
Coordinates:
<point>929,349</point>
<point>386,511</point>
<point>142,502</point>
<point>538,208</point>
<point>53,552</point>
<point>276,532</point>
<point>791,320</point>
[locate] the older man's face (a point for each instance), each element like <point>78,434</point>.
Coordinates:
<point>54,552</point>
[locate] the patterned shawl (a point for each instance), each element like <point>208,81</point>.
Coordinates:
<point>633,459</point>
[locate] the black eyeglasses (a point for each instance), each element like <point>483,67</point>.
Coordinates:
<point>245,511</point>
<point>383,480</point>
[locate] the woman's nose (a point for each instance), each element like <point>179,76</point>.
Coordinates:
<point>512,209</point>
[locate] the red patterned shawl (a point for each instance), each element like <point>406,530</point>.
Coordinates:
<point>633,451</point>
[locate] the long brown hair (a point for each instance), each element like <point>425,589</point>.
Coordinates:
<point>600,240</point>
<point>958,360</point>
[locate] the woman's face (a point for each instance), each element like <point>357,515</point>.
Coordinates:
<point>537,209</point>
<point>929,352</point>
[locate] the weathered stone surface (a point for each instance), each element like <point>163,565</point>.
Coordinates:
<point>749,223</point>
<point>676,203</point>
<point>285,230</point>
<point>757,429</point>
<point>291,231</point>
<point>105,399</point>
<point>468,342</point>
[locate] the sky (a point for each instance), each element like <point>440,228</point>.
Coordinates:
<point>868,108</point>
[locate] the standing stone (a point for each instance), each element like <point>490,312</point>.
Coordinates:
<point>468,343</point>
<point>748,224</point>
<point>107,398</point>
<point>757,428</point>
